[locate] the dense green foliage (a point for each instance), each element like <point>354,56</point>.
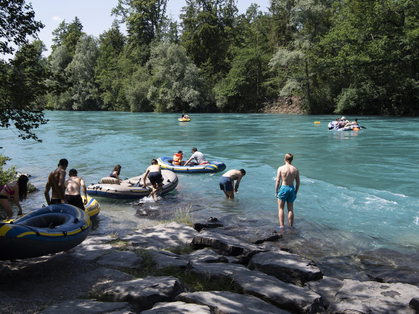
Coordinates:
<point>6,175</point>
<point>22,79</point>
<point>346,56</point>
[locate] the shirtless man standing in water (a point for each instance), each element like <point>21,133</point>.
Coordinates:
<point>287,193</point>
<point>56,182</point>
<point>72,194</point>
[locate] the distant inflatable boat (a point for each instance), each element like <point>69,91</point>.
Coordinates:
<point>353,127</point>
<point>184,120</point>
<point>214,166</point>
<point>132,188</point>
<point>51,229</point>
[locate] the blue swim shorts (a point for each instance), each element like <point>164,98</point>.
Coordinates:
<point>225,184</point>
<point>286,193</point>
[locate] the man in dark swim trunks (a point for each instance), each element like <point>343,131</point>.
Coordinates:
<point>56,183</point>
<point>153,173</point>
<point>72,194</point>
<point>227,182</point>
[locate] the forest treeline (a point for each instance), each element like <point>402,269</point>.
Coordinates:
<point>346,56</point>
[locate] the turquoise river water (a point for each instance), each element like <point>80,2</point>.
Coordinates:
<point>358,189</point>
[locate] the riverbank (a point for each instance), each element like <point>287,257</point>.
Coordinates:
<point>184,267</point>
<point>292,105</point>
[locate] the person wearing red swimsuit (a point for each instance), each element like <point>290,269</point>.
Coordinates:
<point>19,190</point>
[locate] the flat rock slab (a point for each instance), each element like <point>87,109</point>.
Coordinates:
<point>225,244</point>
<point>163,236</point>
<point>284,295</point>
<point>374,297</point>
<point>178,308</point>
<point>145,292</point>
<point>286,266</point>
<point>205,255</point>
<point>88,307</point>
<point>327,288</point>
<point>225,302</point>
<point>168,259</point>
<point>92,252</point>
<point>121,259</point>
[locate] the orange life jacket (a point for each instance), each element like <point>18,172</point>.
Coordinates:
<point>177,158</point>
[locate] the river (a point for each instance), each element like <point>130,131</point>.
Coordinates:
<point>358,189</point>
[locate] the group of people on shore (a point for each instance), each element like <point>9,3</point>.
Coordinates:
<point>68,190</point>
<point>65,190</point>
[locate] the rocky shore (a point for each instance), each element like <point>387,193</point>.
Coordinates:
<point>108,274</point>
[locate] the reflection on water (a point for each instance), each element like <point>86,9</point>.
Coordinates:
<point>358,189</point>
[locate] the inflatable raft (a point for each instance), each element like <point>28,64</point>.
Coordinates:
<point>184,120</point>
<point>132,188</point>
<point>51,229</point>
<point>92,207</point>
<point>353,127</point>
<point>214,166</point>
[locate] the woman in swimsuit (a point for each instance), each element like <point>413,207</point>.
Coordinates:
<point>17,188</point>
<point>116,172</point>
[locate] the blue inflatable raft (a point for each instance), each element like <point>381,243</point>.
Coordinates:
<point>214,166</point>
<point>43,231</point>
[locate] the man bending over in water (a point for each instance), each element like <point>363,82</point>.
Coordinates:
<point>153,173</point>
<point>72,194</point>
<point>56,182</point>
<point>227,182</point>
<point>287,193</point>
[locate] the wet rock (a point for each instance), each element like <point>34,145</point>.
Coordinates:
<point>178,308</point>
<point>88,307</point>
<point>198,226</point>
<point>287,267</point>
<point>121,259</point>
<point>145,292</point>
<point>228,302</point>
<point>374,297</point>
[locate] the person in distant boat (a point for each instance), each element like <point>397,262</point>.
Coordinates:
<point>186,116</point>
<point>183,115</point>
<point>285,178</point>
<point>116,172</point>
<point>73,185</point>
<point>19,190</point>
<point>341,123</point>
<point>197,158</point>
<point>227,182</point>
<point>177,158</point>
<point>355,122</point>
<point>56,183</point>
<point>153,173</point>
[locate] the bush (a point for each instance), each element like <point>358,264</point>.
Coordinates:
<point>7,175</point>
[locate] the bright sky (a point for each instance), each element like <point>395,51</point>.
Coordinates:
<point>95,15</point>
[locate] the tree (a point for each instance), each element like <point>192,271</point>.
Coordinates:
<point>176,81</point>
<point>81,70</point>
<point>16,104</point>
<point>68,35</point>
<point>145,20</point>
<point>108,74</point>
